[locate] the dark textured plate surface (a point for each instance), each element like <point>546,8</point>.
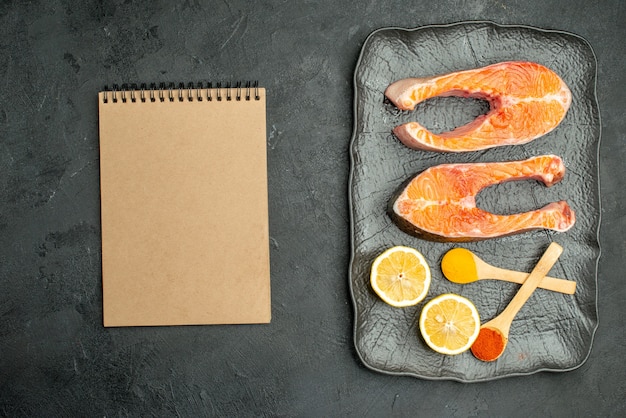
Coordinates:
<point>552,331</point>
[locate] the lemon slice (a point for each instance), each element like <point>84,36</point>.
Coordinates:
<point>400,276</point>
<point>449,324</point>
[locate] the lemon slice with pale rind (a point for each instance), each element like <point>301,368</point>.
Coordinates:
<point>400,276</point>
<point>449,324</point>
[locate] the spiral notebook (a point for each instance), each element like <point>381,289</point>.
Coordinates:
<point>184,211</point>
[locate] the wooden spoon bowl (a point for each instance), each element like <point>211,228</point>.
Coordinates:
<point>460,265</point>
<point>494,334</point>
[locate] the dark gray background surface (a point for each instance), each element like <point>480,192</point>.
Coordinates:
<point>56,359</point>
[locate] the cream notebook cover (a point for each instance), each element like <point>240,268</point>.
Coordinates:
<point>184,206</point>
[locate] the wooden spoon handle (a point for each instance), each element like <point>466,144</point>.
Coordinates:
<point>548,283</point>
<point>503,321</point>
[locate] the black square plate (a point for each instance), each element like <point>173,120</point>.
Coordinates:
<point>552,331</point>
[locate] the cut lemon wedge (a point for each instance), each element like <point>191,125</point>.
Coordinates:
<point>400,276</point>
<point>449,324</point>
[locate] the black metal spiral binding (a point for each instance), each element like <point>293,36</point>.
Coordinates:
<point>171,92</point>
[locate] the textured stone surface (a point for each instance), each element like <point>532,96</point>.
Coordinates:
<point>553,331</point>
<point>56,359</point>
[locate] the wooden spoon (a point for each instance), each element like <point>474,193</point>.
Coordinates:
<point>494,334</point>
<point>462,266</point>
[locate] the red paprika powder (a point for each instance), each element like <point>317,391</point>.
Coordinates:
<point>488,345</point>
